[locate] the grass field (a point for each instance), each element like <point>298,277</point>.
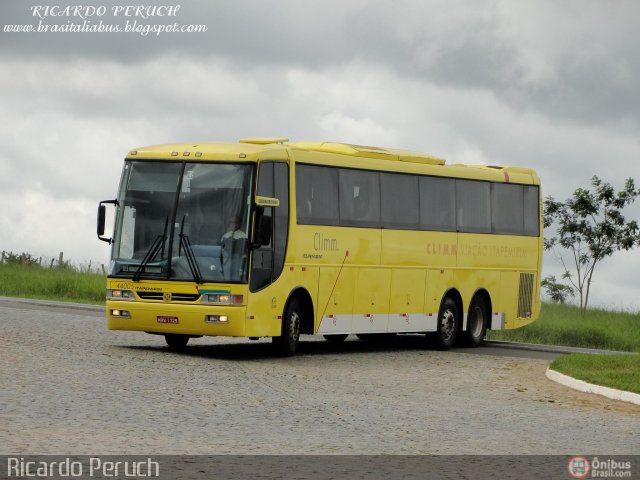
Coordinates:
<point>564,325</point>
<point>64,284</point>
<point>615,371</point>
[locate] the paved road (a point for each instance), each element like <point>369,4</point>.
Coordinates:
<point>69,386</point>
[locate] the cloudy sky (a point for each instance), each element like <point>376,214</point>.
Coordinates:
<point>546,84</point>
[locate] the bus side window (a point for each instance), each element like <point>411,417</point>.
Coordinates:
<point>473,202</point>
<point>359,198</point>
<point>317,195</point>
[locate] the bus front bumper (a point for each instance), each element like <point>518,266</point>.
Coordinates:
<point>182,319</point>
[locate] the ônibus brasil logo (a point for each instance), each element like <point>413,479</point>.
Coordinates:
<point>579,466</point>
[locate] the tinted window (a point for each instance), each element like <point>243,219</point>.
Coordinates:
<point>400,200</point>
<point>359,198</point>
<point>507,204</point>
<point>473,206</point>
<point>265,180</point>
<point>317,195</point>
<point>437,203</point>
<point>281,227</point>
<point>334,196</point>
<point>531,211</point>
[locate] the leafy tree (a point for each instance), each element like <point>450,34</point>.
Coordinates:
<point>558,292</point>
<point>590,225</point>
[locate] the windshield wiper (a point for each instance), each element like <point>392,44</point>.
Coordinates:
<point>152,253</point>
<point>191,258</point>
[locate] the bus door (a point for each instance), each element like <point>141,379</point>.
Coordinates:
<point>268,258</point>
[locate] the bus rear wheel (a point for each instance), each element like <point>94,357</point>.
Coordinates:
<point>448,320</point>
<point>176,341</point>
<point>476,323</point>
<point>287,343</point>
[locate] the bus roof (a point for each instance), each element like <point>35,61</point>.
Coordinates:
<point>340,154</point>
<point>204,151</point>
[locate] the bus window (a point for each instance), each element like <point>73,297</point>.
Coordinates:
<point>473,206</point>
<point>317,195</point>
<point>437,204</point>
<point>531,211</point>
<point>507,205</point>
<point>400,200</point>
<point>359,198</point>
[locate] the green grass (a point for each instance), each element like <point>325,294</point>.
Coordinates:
<point>63,284</point>
<point>564,325</point>
<point>615,371</point>
<point>602,329</point>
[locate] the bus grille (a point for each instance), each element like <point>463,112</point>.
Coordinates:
<point>525,295</point>
<point>175,297</point>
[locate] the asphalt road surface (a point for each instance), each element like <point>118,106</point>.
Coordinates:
<point>69,386</point>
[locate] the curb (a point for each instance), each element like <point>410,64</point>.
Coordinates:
<point>536,347</point>
<point>583,386</point>
<point>53,303</point>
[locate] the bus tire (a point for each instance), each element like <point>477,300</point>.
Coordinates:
<point>448,321</point>
<point>336,337</point>
<point>476,323</point>
<point>176,341</point>
<point>287,343</point>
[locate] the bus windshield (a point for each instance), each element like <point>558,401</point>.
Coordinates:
<point>183,221</point>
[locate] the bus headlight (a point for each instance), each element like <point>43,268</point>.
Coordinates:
<point>222,299</point>
<point>120,313</point>
<point>115,294</point>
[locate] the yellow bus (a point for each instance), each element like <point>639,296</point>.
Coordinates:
<point>271,238</point>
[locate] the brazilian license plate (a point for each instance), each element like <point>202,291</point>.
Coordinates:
<point>164,319</point>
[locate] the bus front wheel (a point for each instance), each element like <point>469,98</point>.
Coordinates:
<point>287,343</point>
<point>176,341</point>
<point>448,321</point>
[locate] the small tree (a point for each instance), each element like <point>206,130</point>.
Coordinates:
<point>590,226</point>
<point>558,292</point>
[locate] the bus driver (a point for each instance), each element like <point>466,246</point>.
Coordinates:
<point>233,243</point>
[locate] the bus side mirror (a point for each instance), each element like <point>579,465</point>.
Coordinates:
<point>101,220</point>
<point>263,229</point>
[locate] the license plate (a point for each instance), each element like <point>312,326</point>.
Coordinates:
<point>168,320</point>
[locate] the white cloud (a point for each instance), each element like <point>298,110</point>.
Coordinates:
<point>43,225</point>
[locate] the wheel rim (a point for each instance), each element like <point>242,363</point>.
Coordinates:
<point>447,325</point>
<point>476,322</point>
<point>294,330</point>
